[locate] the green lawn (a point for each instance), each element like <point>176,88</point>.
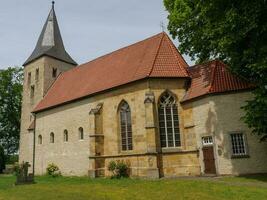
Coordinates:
<point>48,188</point>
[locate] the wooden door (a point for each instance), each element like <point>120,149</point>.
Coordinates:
<point>209,161</point>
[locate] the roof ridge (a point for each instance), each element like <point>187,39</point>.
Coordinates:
<point>120,49</point>
<point>176,55</point>
<point>157,53</point>
<point>203,63</point>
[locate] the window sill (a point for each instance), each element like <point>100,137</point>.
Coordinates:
<point>239,156</point>
<point>126,152</point>
<point>171,149</point>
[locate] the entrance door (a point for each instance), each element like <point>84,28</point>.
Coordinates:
<point>208,156</point>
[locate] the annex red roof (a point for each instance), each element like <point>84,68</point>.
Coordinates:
<point>153,57</point>
<point>213,77</point>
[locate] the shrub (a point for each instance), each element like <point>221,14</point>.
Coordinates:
<point>53,170</point>
<point>17,169</point>
<point>119,169</point>
<point>12,159</point>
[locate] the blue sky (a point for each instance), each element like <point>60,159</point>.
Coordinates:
<point>89,28</point>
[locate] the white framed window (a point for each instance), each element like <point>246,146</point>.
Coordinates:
<point>168,121</point>
<point>207,141</point>
<point>238,144</point>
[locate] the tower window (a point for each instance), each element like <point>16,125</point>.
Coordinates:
<point>54,73</point>
<point>32,91</point>
<point>37,74</point>
<point>29,78</point>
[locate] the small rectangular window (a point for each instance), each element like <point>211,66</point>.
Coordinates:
<point>29,78</point>
<point>37,74</point>
<point>54,72</point>
<point>238,144</point>
<point>206,141</point>
<point>32,91</point>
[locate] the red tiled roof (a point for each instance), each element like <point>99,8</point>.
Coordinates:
<point>213,77</point>
<point>153,57</point>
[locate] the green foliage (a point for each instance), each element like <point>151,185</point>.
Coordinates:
<point>53,170</point>
<point>12,159</point>
<point>10,108</point>
<point>2,160</point>
<point>230,30</point>
<point>119,169</point>
<point>255,110</point>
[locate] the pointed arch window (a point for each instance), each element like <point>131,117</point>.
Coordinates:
<point>52,137</point>
<point>66,136</point>
<point>168,121</point>
<point>125,126</point>
<point>40,139</point>
<point>81,135</point>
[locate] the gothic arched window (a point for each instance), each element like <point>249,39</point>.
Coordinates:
<point>81,135</point>
<point>52,137</point>
<point>40,139</point>
<point>168,121</point>
<point>125,126</point>
<point>66,136</point>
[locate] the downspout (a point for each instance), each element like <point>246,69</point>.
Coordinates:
<point>33,149</point>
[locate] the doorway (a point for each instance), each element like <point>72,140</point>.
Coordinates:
<point>208,155</point>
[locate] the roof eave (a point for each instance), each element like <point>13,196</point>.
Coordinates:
<point>216,93</point>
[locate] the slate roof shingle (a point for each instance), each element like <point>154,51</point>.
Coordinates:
<point>50,42</point>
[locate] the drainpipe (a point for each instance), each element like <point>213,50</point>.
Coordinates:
<point>33,149</point>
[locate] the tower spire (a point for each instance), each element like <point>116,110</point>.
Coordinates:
<point>50,42</point>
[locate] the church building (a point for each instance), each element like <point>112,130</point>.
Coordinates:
<point>141,104</point>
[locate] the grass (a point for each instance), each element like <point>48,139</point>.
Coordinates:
<point>83,188</point>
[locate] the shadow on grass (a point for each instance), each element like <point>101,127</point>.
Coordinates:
<point>255,177</point>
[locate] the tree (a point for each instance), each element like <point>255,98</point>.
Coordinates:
<point>232,31</point>
<point>2,160</point>
<point>10,108</point>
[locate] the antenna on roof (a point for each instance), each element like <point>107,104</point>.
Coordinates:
<point>53,4</point>
<point>162,26</point>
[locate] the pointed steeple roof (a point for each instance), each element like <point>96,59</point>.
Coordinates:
<point>50,42</point>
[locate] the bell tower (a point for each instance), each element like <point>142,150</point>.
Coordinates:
<point>48,59</point>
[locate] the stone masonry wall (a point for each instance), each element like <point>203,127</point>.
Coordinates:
<point>72,157</point>
<point>218,116</point>
<point>40,83</point>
